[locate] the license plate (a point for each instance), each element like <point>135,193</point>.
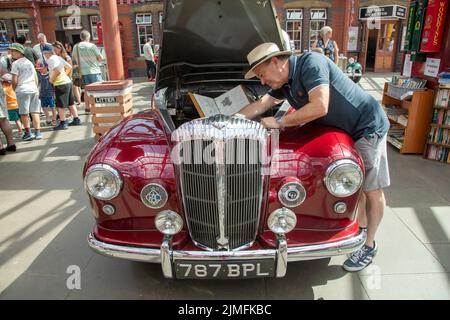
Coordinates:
<point>189,269</point>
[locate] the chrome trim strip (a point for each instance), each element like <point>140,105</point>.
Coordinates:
<point>219,147</point>
<point>301,253</point>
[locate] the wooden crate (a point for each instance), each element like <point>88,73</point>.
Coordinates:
<point>107,111</point>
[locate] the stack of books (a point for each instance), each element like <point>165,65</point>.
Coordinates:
<point>396,114</point>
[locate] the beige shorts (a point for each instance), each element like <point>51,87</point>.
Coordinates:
<point>374,154</point>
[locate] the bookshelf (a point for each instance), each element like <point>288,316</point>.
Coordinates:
<point>438,141</point>
<point>409,120</point>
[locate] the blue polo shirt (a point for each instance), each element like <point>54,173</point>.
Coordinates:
<point>350,108</point>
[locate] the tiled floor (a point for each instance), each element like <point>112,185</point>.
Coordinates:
<point>45,217</point>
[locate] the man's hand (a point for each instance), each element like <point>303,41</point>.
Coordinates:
<point>270,122</point>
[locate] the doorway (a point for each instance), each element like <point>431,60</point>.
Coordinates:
<point>386,46</point>
<point>75,38</point>
<point>371,49</point>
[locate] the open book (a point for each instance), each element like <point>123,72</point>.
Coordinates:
<point>228,103</point>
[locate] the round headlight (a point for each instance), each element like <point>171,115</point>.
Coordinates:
<point>154,196</point>
<point>102,182</point>
<point>343,178</point>
<point>168,222</point>
<point>292,194</point>
<point>282,221</point>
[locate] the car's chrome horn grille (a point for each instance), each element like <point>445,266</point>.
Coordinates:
<point>221,162</point>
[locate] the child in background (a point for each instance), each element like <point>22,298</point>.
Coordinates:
<point>11,102</point>
<point>46,94</point>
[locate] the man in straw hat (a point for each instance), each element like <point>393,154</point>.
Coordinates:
<point>321,93</point>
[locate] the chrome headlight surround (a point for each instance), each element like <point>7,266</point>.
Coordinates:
<point>154,196</point>
<point>341,183</point>
<point>111,176</point>
<point>292,194</point>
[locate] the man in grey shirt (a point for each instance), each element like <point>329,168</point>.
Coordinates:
<point>321,93</point>
<point>89,57</point>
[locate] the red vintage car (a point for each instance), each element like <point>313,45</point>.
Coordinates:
<point>256,200</point>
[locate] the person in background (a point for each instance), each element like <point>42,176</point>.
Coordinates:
<point>90,58</point>
<point>11,102</point>
<point>329,46</point>
<point>6,61</point>
<point>58,68</point>
<point>5,126</point>
<point>46,94</point>
<point>149,59</point>
<point>75,88</point>
<point>24,82</point>
<point>29,53</point>
<point>286,40</point>
<point>42,39</point>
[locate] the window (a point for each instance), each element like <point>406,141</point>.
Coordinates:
<point>3,31</point>
<point>22,28</point>
<point>93,23</point>
<point>71,23</point>
<point>144,29</point>
<point>318,21</point>
<point>294,27</point>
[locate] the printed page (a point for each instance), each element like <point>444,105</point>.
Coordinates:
<point>205,106</point>
<point>232,101</point>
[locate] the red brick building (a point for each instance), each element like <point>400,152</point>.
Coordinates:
<point>377,46</point>
<point>378,49</point>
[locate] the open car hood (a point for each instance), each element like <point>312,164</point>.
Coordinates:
<point>211,36</point>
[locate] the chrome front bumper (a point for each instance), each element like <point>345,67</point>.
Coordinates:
<point>283,254</point>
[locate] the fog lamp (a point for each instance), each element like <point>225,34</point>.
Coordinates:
<point>168,222</point>
<point>282,221</point>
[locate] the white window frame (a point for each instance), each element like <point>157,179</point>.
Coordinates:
<point>316,18</point>
<point>77,23</point>
<point>3,29</point>
<point>294,16</point>
<point>20,30</point>
<point>143,19</point>
<point>93,27</point>
<point>315,14</point>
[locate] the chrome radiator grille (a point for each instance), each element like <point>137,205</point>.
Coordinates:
<point>221,175</point>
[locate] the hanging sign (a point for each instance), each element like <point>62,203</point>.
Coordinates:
<point>432,67</point>
<point>433,28</point>
<point>410,24</point>
<point>418,25</point>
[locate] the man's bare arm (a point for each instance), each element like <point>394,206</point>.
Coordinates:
<point>257,108</point>
<point>317,107</point>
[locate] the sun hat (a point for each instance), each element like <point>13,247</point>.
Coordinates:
<point>262,53</point>
<point>17,47</point>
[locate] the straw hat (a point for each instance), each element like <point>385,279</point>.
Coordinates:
<point>262,53</point>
